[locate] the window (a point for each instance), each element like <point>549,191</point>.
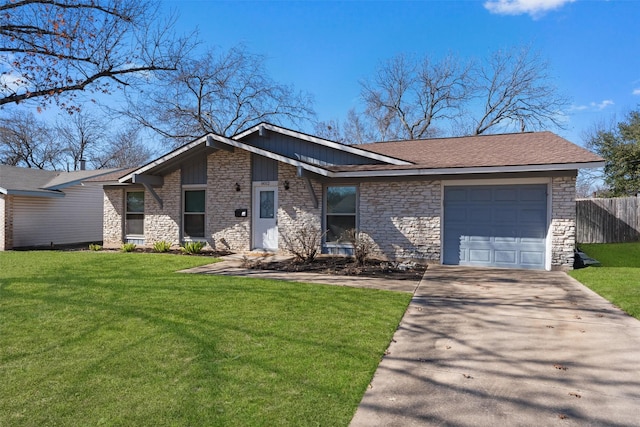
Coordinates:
<point>267,204</point>
<point>134,219</point>
<point>341,211</point>
<point>193,213</point>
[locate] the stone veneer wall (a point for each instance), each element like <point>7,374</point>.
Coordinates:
<point>224,170</point>
<point>113,223</point>
<point>295,202</point>
<point>6,222</point>
<point>164,223</point>
<point>402,218</point>
<point>563,222</point>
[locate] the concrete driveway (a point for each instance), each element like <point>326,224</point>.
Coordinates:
<point>482,347</point>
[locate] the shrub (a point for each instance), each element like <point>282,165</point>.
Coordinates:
<point>193,247</point>
<point>362,244</point>
<point>95,247</point>
<point>128,247</point>
<point>303,238</point>
<point>161,246</point>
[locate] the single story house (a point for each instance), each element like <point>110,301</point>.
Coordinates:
<point>492,200</point>
<point>44,208</point>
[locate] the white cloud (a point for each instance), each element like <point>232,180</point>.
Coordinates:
<point>593,106</point>
<point>636,92</point>
<point>604,104</point>
<point>535,8</point>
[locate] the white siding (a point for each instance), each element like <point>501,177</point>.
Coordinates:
<point>2,226</point>
<point>74,218</point>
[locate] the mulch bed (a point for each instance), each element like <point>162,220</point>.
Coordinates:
<point>344,266</point>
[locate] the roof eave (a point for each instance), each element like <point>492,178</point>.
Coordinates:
<point>233,143</point>
<point>467,170</point>
<point>175,153</point>
<point>325,142</point>
<point>80,180</point>
<point>34,193</point>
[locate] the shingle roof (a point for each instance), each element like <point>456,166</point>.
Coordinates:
<point>518,149</point>
<point>112,176</point>
<point>24,180</point>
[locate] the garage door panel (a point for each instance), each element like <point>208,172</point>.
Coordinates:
<point>458,215</point>
<point>505,239</point>
<point>533,240</point>
<point>508,257</point>
<point>531,258</point>
<point>479,255</point>
<point>506,194</point>
<point>481,215</point>
<point>533,216</point>
<point>502,226</point>
<point>533,195</point>
<point>480,194</point>
<point>509,215</point>
<point>479,239</point>
<point>457,194</point>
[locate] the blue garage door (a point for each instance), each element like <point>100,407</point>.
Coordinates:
<point>495,226</point>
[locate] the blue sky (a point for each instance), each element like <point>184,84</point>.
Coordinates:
<point>326,47</point>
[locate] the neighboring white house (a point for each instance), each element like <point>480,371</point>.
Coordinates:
<point>492,200</point>
<point>44,208</point>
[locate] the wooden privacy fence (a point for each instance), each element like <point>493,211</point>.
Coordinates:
<point>608,220</point>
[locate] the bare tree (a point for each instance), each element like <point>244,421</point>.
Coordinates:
<point>61,47</point>
<point>515,89</point>
<point>357,129</point>
<point>221,92</point>
<point>26,141</point>
<point>406,96</point>
<point>413,99</point>
<point>81,136</point>
<point>124,149</point>
<point>330,130</point>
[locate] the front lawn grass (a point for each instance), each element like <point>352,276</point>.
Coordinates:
<point>90,338</point>
<point>618,278</point>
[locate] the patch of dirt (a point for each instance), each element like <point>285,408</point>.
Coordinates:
<point>344,266</point>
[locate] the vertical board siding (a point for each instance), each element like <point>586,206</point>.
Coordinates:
<point>75,218</point>
<point>195,171</point>
<point>263,168</point>
<point>613,220</point>
<point>304,150</point>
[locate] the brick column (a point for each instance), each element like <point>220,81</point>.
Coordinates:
<point>563,222</point>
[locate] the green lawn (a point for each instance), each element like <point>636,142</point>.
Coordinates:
<point>618,279</point>
<point>93,338</point>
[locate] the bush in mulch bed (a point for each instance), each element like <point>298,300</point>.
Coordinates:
<point>346,266</point>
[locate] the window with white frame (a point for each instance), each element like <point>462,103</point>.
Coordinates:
<point>340,211</point>
<point>193,213</point>
<point>134,213</point>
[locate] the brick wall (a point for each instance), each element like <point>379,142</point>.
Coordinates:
<point>164,223</point>
<point>295,202</point>
<point>563,222</point>
<point>224,170</point>
<point>402,218</point>
<point>113,221</point>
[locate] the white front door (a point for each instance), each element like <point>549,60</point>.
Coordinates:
<point>265,217</point>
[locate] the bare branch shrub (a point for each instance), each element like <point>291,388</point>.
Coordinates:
<point>363,245</point>
<point>303,238</point>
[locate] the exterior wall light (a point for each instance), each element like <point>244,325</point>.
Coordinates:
<point>237,187</point>
<point>286,185</point>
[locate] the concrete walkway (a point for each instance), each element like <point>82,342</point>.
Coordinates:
<point>482,347</point>
<point>232,266</point>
